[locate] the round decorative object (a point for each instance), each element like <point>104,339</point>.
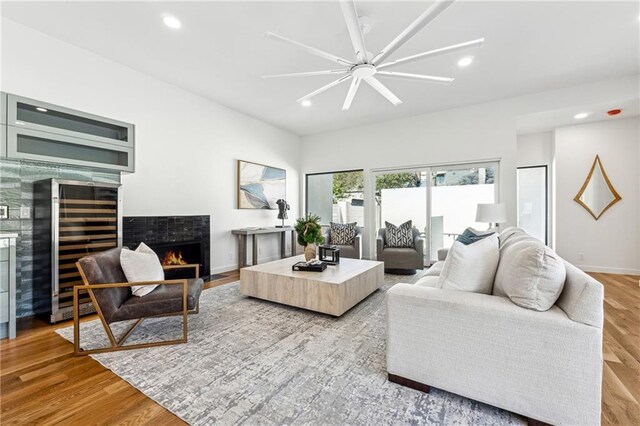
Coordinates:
<point>309,252</point>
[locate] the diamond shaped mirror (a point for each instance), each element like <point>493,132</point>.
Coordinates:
<point>597,193</point>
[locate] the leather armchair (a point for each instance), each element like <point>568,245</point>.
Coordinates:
<point>350,251</point>
<point>401,260</point>
<point>111,295</point>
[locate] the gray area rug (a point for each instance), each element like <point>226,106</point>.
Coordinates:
<point>255,362</point>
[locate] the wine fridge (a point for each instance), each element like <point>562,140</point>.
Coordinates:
<point>72,219</point>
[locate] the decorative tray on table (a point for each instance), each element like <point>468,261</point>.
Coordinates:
<point>314,266</point>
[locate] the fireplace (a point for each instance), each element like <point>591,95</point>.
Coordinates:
<point>175,239</point>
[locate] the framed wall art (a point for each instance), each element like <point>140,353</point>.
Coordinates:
<point>260,186</point>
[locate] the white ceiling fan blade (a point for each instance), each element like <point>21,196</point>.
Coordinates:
<point>414,77</point>
<point>353,26</point>
<point>306,74</point>
<point>355,83</point>
<point>382,89</point>
<point>423,20</point>
<point>323,88</point>
<point>309,49</point>
<point>434,53</point>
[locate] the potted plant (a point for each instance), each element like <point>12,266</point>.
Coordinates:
<point>309,234</point>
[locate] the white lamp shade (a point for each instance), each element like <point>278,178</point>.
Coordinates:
<point>491,213</point>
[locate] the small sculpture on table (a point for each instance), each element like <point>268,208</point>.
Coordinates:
<point>283,206</point>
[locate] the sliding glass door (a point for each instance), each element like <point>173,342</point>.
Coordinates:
<point>402,196</point>
<point>456,192</point>
<point>440,201</point>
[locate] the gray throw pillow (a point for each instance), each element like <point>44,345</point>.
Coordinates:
<point>399,236</point>
<point>530,274</point>
<point>342,233</point>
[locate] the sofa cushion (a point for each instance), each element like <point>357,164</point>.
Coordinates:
<point>165,299</point>
<point>471,268</point>
<point>399,236</point>
<point>141,265</point>
<point>530,274</point>
<point>428,281</point>
<point>342,233</point>
<point>435,269</point>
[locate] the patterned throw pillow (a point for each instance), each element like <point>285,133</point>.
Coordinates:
<point>399,236</point>
<point>342,233</point>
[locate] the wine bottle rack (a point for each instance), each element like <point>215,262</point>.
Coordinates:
<point>74,219</point>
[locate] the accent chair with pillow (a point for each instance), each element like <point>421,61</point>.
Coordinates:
<point>532,345</point>
<point>401,248</point>
<point>347,237</point>
<point>105,276</point>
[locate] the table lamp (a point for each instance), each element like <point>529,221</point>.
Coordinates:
<point>493,213</point>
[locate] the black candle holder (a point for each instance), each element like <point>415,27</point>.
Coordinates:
<point>329,254</point>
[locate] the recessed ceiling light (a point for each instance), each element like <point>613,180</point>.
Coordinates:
<point>466,61</point>
<point>171,21</point>
<point>581,115</point>
<point>42,109</point>
<point>306,103</point>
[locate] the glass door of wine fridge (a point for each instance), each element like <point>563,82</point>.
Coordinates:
<point>85,218</point>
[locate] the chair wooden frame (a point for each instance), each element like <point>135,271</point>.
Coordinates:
<point>118,344</point>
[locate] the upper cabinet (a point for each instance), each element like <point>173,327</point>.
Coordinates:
<point>44,132</point>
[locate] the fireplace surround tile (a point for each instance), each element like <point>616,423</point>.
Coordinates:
<point>163,230</point>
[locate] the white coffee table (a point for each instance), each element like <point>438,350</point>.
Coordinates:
<point>333,291</point>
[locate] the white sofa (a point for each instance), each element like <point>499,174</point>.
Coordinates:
<point>546,366</point>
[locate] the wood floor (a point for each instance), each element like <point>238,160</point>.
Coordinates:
<point>41,382</point>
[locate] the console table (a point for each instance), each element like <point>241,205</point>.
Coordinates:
<point>244,233</point>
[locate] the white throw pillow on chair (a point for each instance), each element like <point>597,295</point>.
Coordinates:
<point>471,267</point>
<point>141,265</point>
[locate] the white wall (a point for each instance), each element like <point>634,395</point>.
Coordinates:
<point>612,243</point>
<point>538,149</point>
<point>473,133</point>
<point>186,146</point>
<point>535,149</point>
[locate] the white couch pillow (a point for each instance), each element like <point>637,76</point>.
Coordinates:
<point>471,267</point>
<point>530,274</point>
<point>141,265</point>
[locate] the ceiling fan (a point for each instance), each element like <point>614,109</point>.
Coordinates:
<point>367,68</point>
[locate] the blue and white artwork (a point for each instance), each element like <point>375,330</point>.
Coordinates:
<point>260,186</point>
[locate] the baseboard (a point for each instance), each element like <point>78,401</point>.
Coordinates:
<point>234,266</point>
<point>224,268</point>
<point>608,270</point>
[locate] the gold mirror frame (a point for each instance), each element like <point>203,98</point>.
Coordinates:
<point>616,196</point>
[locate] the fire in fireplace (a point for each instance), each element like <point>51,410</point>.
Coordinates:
<point>180,253</point>
<point>173,258</point>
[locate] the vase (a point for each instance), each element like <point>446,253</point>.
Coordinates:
<point>309,252</point>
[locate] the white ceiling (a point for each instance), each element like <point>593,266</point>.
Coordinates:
<point>220,52</point>
<point>550,120</point>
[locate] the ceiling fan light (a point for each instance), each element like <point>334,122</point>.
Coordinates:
<point>171,21</point>
<point>465,62</point>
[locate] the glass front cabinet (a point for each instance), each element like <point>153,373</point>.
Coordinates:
<point>36,130</point>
